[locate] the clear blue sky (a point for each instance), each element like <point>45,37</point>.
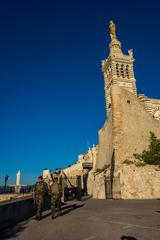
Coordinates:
<point>51,86</point>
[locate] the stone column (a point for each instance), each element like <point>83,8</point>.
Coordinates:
<point>18,186</point>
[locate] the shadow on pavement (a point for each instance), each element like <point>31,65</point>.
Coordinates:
<point>70,208</point>
<point>66,209</point>
<point>13,230</point>
<point>128,238</point>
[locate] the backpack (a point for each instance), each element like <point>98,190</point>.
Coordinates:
<point>56,189</point>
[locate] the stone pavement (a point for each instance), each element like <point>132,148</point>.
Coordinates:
<point>94,220</point>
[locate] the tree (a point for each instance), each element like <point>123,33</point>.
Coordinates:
<point>152,155</point>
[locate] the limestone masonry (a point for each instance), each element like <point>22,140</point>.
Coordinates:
<point>130,118</point>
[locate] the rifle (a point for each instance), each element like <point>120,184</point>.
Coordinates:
<point>68,179</point>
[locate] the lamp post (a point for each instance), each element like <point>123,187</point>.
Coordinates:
<point>5,182</point>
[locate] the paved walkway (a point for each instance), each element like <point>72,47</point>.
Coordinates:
<point>94,220</point>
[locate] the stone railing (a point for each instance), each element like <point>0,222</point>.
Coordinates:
<point>17,210</point>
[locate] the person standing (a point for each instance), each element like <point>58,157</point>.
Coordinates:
<point>56,194</point>
<point>40,191</point>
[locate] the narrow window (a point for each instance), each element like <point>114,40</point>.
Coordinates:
<point>117,69</point>
<point>127,71</point>
<point>122,70</point>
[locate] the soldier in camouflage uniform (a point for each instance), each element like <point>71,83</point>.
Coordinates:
<point>40,191</point>
<point>56,194</point>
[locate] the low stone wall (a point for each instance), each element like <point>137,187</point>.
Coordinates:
<point>139,182</point>
<point>17,210</point>
<point>10,196</point>
<point>129,182</point>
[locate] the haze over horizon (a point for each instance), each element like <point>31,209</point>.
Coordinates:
<point>52,101</point>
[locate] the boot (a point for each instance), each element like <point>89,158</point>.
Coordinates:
<point>59,212</point>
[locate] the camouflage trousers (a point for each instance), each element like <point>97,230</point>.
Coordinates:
<point>39,202</point>
<point>55,202</point>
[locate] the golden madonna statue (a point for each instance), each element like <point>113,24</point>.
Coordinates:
<point>112,29</point>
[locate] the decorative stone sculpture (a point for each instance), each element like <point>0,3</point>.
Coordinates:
<point>130,51</point>
<point>18,186</point>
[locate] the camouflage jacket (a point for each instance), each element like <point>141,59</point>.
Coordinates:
<point>40,188</point>
<point>56,189</point>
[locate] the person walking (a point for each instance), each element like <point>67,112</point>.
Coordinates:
<point>56,194</point>
<point>40,191</point>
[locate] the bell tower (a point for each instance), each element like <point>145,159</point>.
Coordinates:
<point>117,68</point>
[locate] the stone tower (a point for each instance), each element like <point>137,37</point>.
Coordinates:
<point>117,68</point>
<point>126,131</point>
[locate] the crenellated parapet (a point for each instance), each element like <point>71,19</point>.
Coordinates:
<point>151,105</point>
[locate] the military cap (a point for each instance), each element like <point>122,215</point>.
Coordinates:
<point>40,177</point>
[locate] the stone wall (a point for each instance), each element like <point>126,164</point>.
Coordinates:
<point>96,186</point>
<point>139,182</point>
<point>18,210</point>
<point>134,183</point>
<point>127,131</point>
<point>99,187</point>
<point>15,211</point>
<point>105,144</point>
<point>90,183</point>
<point>131,125</point>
